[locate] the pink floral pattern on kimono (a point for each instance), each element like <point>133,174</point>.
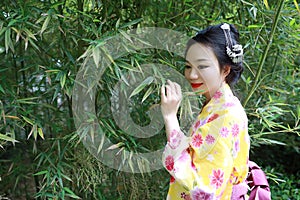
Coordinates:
<point>200,194</point>
<point>217,178</point>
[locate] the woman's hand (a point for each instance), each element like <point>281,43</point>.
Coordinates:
<point>170,99</point>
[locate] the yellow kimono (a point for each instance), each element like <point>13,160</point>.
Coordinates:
<point>214,157</point>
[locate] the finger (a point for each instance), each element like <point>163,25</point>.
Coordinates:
<point>163,93</point>
<point>172,86</point>
<point>168,91</point>
<point>178,89</point>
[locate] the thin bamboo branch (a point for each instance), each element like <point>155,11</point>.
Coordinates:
<point>264,56</point>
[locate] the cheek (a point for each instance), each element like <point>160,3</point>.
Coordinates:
<point>186,74</point>
<point>204,75</point>
<point>211,75</point>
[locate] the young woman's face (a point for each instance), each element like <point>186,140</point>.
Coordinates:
<point>202,70</point>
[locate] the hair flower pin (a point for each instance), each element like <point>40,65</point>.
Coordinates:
<point>235,52</point>
<point>225,26</point>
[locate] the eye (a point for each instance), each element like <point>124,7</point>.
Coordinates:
<point>187,67</point>
<point>202,66</point>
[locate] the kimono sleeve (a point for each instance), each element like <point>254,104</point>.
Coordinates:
<point>202,162</point>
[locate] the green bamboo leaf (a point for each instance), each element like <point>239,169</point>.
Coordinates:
<point>139,88</point>
<point>147,93</point>
<point>96,56</point>
<point>29,121</point>
<point>101,144</point>
<point>3,30</point>
<point>55,5</point>
<point>35,131</point>
<point>47,194</point>
<point>118,23</point>
<point>30,34</point>
<point>41,173</point>
<point>270,141</point>
<point>140,166</point>
<point>107,54</point>
<point>2,90</point>
<point>292,22</point>
<point>126,35</point>
<point>2,49</point>
<point>130,161</point>
<point>46,105</point>
<point>45,24</point>
<point>18,32</point>
<point>92,134</point>
<point>8,41</point>
<point>60,181</point>
<point>124,80</point>
<point>66,177</point>
<point>296,5</point>
<point>30,133</point>
<point>82,133</point>
<point>70,193</point>
<point>40,19</point>
<point>131,23</point>
<point>63,78</point>
<point>12,22</point>
<point>255,26</point>
<point>282,91</point>
<point>26,43</point>
<point>62,194</point>
<point>25,101</point>
<point>52,70</point>
<point>126,66</point>
<point>33,43</point>
<point>266,4</point>
<point>41,134</point>
<point>7,138</point>
<point>1,25</point>
<point>115,146</point>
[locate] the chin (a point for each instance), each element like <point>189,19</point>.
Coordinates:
<point>198,90</point>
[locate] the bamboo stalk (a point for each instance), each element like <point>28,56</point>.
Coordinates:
<point>263,58</point>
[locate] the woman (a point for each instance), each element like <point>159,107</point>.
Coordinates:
<point>213,158</point>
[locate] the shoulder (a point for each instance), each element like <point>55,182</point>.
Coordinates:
<point>218,125</point>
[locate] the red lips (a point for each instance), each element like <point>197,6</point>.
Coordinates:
<point>196,85</point>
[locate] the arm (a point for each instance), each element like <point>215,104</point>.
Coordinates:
<point>170,100</point>
<point>178,143</point>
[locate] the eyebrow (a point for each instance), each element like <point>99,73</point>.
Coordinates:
<point>202,59</point>
<point>198,60</point>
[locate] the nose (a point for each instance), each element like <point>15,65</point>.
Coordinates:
<point>194,74</point>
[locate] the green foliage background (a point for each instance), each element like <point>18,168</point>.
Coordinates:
<point>41,42</point>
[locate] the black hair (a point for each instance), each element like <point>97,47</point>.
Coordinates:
<point>214,37</point>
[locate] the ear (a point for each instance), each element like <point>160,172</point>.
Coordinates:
<point>226,70</point>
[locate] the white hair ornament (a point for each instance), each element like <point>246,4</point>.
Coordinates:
<point>235,52</point>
